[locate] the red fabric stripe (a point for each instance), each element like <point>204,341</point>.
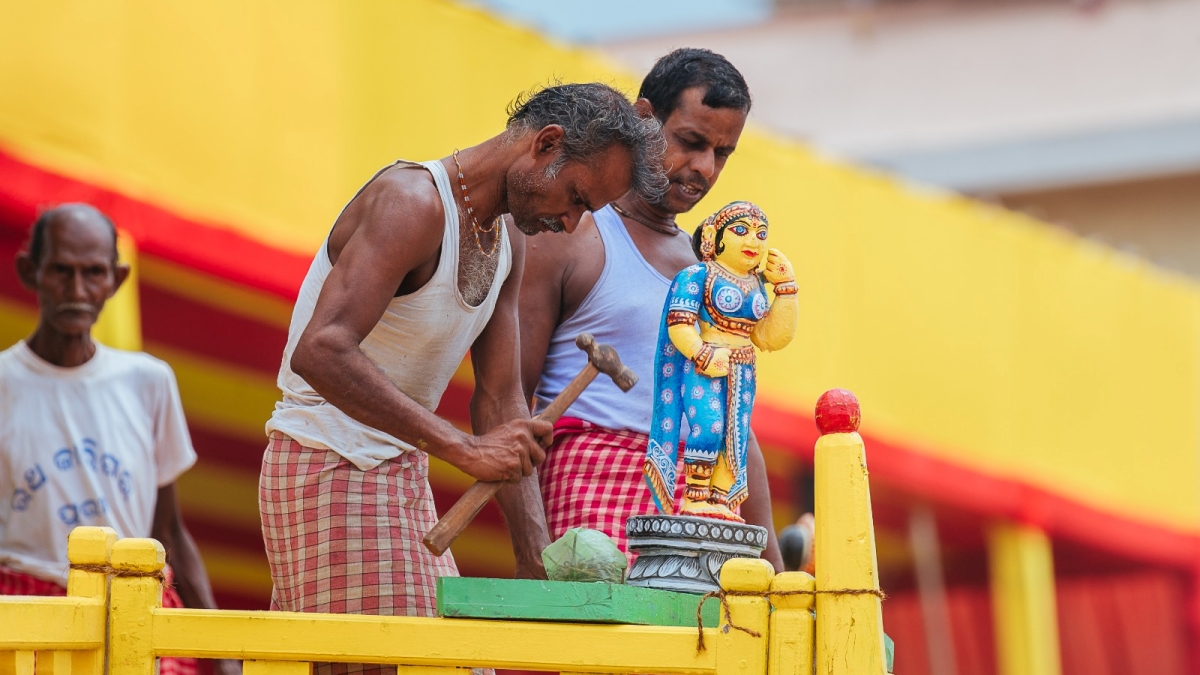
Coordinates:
<point>924,475</point>
<point>209,247</point>
<point>207,331</point>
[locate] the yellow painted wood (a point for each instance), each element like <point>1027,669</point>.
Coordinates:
<point>16,662</point>
<point>55,662</point>
<point>528,645</point>
<point>793,628</point>
<point>89,546</point>
<point>50,623</point>
<point>87,662</point>
<point>849,627</point>
<point>276,668</point>
<point>282,643</point>
<point>120,324</point>
<point>132,601</point>
<point>739,653</point>
<point>52,626</point>
<point>1021,567</point>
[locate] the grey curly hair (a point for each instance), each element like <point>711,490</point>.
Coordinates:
<point>594,116</point>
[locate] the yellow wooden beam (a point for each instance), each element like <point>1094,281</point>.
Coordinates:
<point>520,645</point>
<point>1023,604</point>
<point>50,623</point>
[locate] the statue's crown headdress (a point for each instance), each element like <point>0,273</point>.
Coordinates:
<point>719,221</point>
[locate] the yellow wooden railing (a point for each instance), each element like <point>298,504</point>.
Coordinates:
<point>64,636</point>
<point>767,623</point>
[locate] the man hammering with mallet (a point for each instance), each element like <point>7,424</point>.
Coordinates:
<point>422,266</point>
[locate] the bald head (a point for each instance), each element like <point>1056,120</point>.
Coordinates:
<point>80,215</point>
<point>72,266</point>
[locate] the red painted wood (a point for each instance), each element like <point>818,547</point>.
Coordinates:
<point>837,412</point>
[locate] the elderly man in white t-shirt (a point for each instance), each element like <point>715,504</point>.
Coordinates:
<point>88,435</point>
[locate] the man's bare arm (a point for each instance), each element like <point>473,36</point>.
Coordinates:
<point>398,227</point>
<point>191,579</point>
<point>540,304</point>
<point>497,399</point>
<point>757,507</point>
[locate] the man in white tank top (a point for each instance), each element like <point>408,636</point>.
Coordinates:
<point>420,267</point>
<point>592,476</point>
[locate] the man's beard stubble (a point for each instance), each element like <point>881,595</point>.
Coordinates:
<point>522,189</point>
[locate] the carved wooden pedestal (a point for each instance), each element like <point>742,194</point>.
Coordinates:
<point>685,553</point>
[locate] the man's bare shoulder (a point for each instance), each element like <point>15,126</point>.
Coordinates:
<point>404,198</point>
<point>401,205</point>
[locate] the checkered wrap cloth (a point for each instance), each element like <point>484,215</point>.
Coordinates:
<point>592,477</point>
<point>13,582</point>
<point>346,541</point>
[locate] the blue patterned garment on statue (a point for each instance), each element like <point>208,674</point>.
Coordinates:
<point>714,411</point>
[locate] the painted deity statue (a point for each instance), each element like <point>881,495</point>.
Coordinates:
<point>717,312</point>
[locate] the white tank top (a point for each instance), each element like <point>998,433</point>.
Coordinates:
<point>623,309</point>
<point>418,343</point>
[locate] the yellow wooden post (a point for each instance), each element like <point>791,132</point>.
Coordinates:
<point>793,630</point>
<point>740,652</point>
<point>85,546</point>
<point>132,602</point>
<point>1023,605</point>
<point>120,324</point>
<point>849,627</point>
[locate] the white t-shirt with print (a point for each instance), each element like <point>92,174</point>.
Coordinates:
<point>83,446</point>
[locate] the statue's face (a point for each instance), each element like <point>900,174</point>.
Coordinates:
<point>744,245</point>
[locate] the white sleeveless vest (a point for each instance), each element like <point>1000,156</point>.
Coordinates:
<point>418,344</point>
<point>623,309</point>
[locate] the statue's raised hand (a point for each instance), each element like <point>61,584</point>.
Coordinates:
<point>719,365</point>
<point>778,270</point>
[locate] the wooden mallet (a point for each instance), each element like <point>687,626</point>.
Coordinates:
<point>601,359</point>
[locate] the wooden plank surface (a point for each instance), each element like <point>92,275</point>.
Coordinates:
<point>475,598</point>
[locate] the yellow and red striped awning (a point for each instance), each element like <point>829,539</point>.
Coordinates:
<point>1003,366</point>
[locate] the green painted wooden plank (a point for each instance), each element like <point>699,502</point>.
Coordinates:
<point>530,599</point>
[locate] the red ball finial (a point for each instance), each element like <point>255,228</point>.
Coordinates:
<point>837,412</point>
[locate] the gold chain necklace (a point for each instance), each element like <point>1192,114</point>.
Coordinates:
<point>661,229</point>
<point>475,228</point>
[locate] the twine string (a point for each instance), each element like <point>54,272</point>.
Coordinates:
<point>724,596</point>
<point>109,570</point>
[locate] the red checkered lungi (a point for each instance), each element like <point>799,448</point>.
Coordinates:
<point>13,582</point>
<point>346,541</point>
<point>592,477</point>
